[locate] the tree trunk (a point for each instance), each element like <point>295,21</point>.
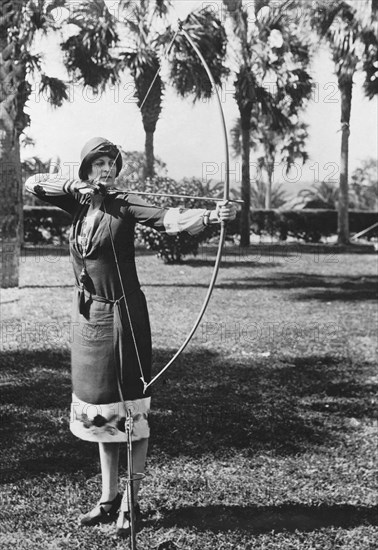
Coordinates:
<point>245,117</point>
<point>10,171</point>
<point>345,85</point>
<point>268,193</point>
<point>149,171</point>
<point>10,209</point>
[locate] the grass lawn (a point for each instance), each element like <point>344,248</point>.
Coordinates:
<point>264,433</point>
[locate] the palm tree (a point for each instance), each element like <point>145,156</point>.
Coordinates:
<point>133,169</point>
<point>364,186</point>
<point>349,29</point>
<point>282,150</point>
<point>186,71</point>
<point>97,56</point>
<point>363,193</point>
<point>142,60</point>
<point>324,194</point>
<point>259,192</point>
<point>271,56</point>
<point>20,25</point>
<point>276,147</point>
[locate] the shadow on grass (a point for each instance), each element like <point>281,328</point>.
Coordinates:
<point>257,404</point>
<point>325,288</point>
<point>206,403</point>
<point>236,262</point>
<point>47,286</point>
<point>266,519</point>
<point>35,394</point>
<point>288,250</point>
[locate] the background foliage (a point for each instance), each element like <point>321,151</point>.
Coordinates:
<point>50,225</point>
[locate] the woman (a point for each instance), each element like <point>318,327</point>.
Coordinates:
<point>111,347</point>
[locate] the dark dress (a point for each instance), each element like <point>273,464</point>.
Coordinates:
<point>104,356</point>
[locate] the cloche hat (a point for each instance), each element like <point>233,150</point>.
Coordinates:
<point>94,148</point>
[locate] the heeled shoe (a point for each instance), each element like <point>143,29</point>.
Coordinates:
<point>125,519</point>
<point>102,515</point>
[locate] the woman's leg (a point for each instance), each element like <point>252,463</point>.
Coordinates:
<point>139,460</point>
<point>109,459</point>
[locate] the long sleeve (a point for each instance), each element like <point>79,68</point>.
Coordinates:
<point>55,190</point>
<point>48,185</point>
<point>171,220</point>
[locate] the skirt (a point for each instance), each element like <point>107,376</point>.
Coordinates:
<point>106,423</point>
<point>104,363</point>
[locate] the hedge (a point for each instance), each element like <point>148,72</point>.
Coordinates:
<point>308,225</point>
<point>50,225</point>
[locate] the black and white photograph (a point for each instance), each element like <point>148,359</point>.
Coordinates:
<point>189,275</point>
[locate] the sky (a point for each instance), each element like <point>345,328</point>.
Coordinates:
<point>189,137</point>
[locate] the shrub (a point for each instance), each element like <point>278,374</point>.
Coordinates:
<point>308,225</point>
<point>172,248</point>
<point>46,225</point>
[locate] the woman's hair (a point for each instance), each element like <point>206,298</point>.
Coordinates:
<point>97,147</point>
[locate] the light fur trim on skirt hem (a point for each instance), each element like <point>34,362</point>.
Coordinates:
<point>105,423</point>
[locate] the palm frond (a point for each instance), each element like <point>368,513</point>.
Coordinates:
<point>326,193</point>
<point>275,17</point>
<point>258,194</point>
<point>32,62</point>
<point>88,54</point>
<point>208,33</point>
<point>56,90</point>
<point>161,7</point>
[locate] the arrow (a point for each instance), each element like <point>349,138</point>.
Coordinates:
<point>182,196</point>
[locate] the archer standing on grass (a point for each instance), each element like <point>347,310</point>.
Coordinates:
<point>111,347</point>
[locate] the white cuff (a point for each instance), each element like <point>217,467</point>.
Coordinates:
<point>181,219</point>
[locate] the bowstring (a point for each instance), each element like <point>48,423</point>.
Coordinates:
<point>145,385</point>
<point>125,300</point>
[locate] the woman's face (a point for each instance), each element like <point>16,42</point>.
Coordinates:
<point>103,169</point>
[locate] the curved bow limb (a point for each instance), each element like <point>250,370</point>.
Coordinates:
<point>226,190</point>
<point>201,313</point>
